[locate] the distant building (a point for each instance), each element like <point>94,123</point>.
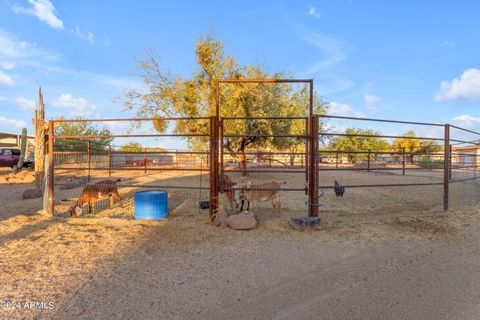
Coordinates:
<point>11,140</point>
<point>466,156</point>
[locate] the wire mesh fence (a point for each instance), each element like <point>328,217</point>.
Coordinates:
<point>317,168</point>
<point>81,161</point>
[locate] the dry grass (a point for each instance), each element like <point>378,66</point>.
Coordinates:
<point>52,259</point>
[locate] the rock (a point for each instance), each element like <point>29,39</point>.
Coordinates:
<point>242,221</point>
<point>31,194</point>
<point>221,218</point>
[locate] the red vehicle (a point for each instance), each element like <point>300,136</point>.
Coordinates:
<point>9,157</point>
<point>142,162</point>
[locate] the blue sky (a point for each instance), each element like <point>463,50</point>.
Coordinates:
<point>410,60</point>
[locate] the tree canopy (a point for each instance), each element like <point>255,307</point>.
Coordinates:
<point>81,129</point>
<point>165,96</point>
<point>132,147</point>
<point>356,143</point>
<point>415,146</point>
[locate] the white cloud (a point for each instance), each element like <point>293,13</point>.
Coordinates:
<point>7,65</point>
<point>371,101</point>
<point>5,79</point>
<point>448,44</point>
<point>43,10</point>
<point>12,123</point>
<point>312,11</point>
<point>87,35</point>
<point>12,48</point>
<point>334,51</point>
<point>76,106</point>
<point>465,87</point>
<point>25,104</point>
<point>341,109</point>
<point>466,120</point>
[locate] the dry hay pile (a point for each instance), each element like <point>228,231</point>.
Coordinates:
<point>23,176</point>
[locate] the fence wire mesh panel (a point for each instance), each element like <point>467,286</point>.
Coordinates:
<point>365,169</point>
<point>137,155</point>
<point>298,164</point>
<point>464,175</point>
<point>271,163</point>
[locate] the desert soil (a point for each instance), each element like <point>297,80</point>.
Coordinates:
<point>379,254</point>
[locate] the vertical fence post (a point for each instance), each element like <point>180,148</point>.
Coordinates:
<point>109,160</point>
<point>213,168</point>
<point>89,159</point>
<point>307,152</point>
<point>51,170</point>
<point>336,159</point>
<point>446,166</point>
<point>144,160</point>
<point>313,168</point>
<point>403,161</point>
<point>450,164</point>
<point>221,146</point>
<point>368,161</point>
<point>176,158</point>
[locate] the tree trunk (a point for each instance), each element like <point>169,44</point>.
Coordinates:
<point>240,158</point>
<point>39,141</point>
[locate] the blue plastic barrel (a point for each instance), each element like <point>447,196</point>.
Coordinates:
<point>151,205</point>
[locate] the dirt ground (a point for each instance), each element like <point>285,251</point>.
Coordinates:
<point>388,253</point>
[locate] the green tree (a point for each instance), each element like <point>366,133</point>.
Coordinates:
<point>166,96</point>
<point>132,147</point>
<point>81,129</point>
<point>353,142</point>
<point>415,146</point>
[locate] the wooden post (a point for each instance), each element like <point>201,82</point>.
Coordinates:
<point>51,170</point>
<point>109,160</point>
<point>313,168</point>
<point>176,158</point>
<point>40,143</point>
<point>403,161</point>
<point>89,159</point>
<point>336,160</point>
<point>446,166</point>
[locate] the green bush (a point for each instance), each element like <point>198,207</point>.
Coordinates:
<point>427,163</point>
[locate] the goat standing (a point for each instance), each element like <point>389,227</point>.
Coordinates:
<point>269,191</point>
<point>94,192</point>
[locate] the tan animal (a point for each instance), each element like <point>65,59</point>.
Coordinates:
<point>94,192</point>
<point>226,186</point>
<point>257,193</point>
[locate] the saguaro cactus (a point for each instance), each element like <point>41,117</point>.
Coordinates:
<point>23,147</point>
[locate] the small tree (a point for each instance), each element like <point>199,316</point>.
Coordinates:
<point>132,147</point>
<point>415,146</point>
<point>81,129</point>
<point>166,96</point>
<point>352,142</point>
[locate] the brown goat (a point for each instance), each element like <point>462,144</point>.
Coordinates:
<point>94,192</point>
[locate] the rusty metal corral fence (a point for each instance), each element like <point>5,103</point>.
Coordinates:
<point>81,160</point>
<point>376,180</point>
